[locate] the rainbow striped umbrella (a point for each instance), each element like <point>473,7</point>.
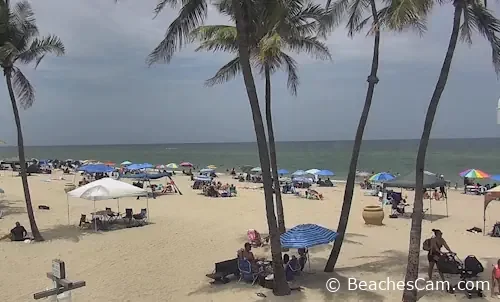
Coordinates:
<point>474,173</point>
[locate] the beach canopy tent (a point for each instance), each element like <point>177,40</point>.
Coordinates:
<point>431,181</point>
<point>98,168</point>
<point>491,194</point>
<point>139,166</point>
<point>325,173</point>
<point>105,189</point>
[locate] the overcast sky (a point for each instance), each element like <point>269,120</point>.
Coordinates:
<point>103,92</point>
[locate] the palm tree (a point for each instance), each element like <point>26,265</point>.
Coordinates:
<point>293,31</point>
<point>355,10</point>
<point>192,15</point>
<point>475,17</point>
<point>19,43</point>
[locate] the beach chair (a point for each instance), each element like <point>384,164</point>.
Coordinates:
<point>255,239</point>
<point>246,273</point>
<point>141,217</point>
<point>223,270</point>
<point>128,215</point>
<point>83,221</point>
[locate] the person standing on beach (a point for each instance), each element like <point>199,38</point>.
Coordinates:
<point>436,243</point>
<point>495,279</point>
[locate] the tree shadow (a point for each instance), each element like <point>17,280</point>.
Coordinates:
<point>427,216</point>
<point>8,207</point>
<point>66,232</point>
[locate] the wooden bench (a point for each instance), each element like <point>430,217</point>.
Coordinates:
<point>223,270</point>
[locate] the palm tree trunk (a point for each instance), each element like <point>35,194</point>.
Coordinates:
<point>351,176</point>
<point>20,147</point>
<point>272,152</point>
<point>281,287</point>
<point>410,295</point>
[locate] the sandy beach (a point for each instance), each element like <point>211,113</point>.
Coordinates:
<point>168,259</point>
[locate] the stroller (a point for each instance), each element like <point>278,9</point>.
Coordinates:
<point>468,270</point>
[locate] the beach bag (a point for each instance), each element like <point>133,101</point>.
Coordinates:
<point>426,246</point>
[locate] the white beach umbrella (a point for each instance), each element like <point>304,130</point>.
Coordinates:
<point>312,171</point>
<point>107,188</point>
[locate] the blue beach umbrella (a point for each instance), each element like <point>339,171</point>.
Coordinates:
<point>495,177</point>
<point>99,168</point>
<point>306,236</point>
<point>206,170</point>
<point>325,173</point>
<point>282,171</point>
<point>382,176</point>
<point>299,173</point>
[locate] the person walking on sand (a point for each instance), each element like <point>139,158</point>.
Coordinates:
<point>495,279</point>
<point>436,243</point>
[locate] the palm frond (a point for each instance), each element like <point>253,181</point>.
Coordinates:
<point>290,67</point>
<point>24,91</point>
<point>7,52</point>
<point>162,4</point>
<point>225,73</point>
<point>309,45</point>
<point>39,48</point>
<point>216,38</point>
<point>192,15</point>
<point>23,18</point>
<point>488,26</point>
<point>400,15</point>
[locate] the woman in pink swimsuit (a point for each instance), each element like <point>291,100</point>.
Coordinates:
<point>495,279</point>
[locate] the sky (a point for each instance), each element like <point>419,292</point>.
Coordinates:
<point>102,91</point>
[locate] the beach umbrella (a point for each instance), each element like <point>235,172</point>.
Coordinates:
<point>172,166</point>
<point>495,177</point>
<point>147,166</point>
<point>299,173</point>
<point>325,173</point>
<point>306,236</point>
<point>108,163</point>
<point>186,164</point>
<point>97,168</point>
<point>362,174</point>
<point>382,176</point>
<point>282,171</point>
<point>160,167</point>
<point>474,173</point>
<point>312,171</point>
<point>211,167</point>
<point>206,170</point>
<point>126,163</point>
<point>256,170</point>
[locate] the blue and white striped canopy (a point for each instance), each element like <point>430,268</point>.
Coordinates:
<point>307,235</point>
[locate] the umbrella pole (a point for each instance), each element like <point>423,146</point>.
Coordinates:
<point>430,209</point>
<point>95,218</point>
<point>118,202</point>
<point>147,208</point>
<point>67,202</point>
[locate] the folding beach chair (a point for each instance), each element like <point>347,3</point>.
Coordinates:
<point>245,268</point>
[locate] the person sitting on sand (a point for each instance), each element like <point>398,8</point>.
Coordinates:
<point>246,254</point>
<point>18,233</point>
<point>495,279</point>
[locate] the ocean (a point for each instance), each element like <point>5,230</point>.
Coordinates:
<point>444,156</point>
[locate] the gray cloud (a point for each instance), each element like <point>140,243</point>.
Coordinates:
<point>102,91</point>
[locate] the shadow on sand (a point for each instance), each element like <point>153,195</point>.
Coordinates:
<point>9,207</point>
<point>75,233</point>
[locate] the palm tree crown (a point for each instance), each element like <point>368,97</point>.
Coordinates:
<point>19,42</point>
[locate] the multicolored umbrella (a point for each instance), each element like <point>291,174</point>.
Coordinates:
<point>474,173</point>
<point>172,166</point>
<point>186,164</point>
<point>211,167</point>
<point>382,176</point>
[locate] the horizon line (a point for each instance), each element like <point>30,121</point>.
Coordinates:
<point>250,142</point>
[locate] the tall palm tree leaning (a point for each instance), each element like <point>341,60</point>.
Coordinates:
<point>295,29</point>
<point>355,10</point>
<point>19,44</point>
<point>191,15</point>
<point>475,17</point>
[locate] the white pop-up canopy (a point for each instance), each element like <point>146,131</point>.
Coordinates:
<point>107,188</point>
